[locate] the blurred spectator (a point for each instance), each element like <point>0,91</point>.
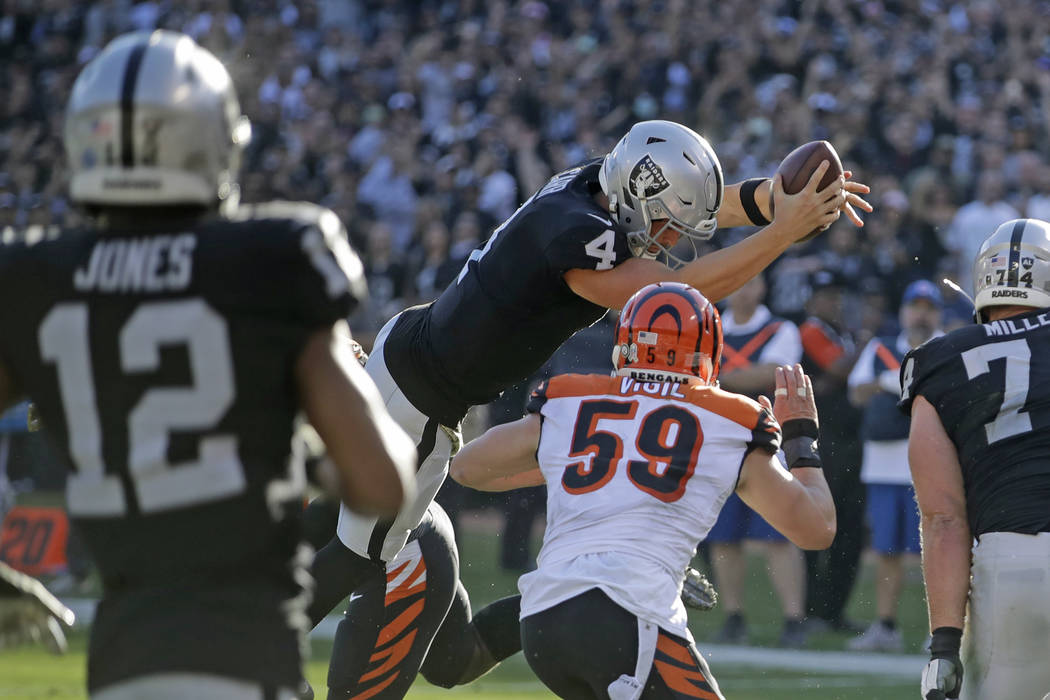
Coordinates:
<point>973,223</point>
<point>755,343</point>
<point>893,519</point>
<point>829,352</point>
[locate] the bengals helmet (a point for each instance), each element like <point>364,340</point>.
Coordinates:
<point>668,332</point>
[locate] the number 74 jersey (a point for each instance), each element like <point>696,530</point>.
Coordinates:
<point>640,468</point>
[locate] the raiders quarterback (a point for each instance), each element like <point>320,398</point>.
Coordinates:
<point>979,449</point>
<point>637,467</point>
<point>582,244</point>
<point>168,347</point>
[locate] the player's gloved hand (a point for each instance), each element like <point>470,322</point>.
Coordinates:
<point>942,677</point>
<point>29,613</point>
<point>697,592</point>
<point>890,380</point>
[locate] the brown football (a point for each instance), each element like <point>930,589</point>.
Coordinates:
<point>799,165</point>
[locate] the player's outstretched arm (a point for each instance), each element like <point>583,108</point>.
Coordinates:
<point>796,501</point>
<point>374,458</point>
<point>946,537</point>
<point>719,274</point>
<point>502,459</point>
<point>733,213</point>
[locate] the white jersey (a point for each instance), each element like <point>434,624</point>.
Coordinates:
<point>636,475</point>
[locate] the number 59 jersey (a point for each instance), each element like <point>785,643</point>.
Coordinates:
<point>641,470</point>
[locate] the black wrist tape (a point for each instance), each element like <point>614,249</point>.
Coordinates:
<point>747,200</point>
<point>801,452</point>
<point>945,643</point>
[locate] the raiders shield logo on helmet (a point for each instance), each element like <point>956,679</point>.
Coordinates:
<point>647,179</point>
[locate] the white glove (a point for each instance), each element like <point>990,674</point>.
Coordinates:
<point>890,380</point>
<point>942,678</point>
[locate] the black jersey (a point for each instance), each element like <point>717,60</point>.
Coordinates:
<point>161,362</point>
<point>509,308</point>
<point>990,385</point>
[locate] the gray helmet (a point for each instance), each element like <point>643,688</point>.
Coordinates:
<point>662,170</point>
<point>1012,267</point>
<point>154,120</point>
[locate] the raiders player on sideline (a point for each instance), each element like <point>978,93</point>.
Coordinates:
<point>582,244</point>
<point>979,450</point>
<point>168,347</point>
<point>637,467</point>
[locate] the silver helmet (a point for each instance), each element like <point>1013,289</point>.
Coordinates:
<point>1012,267</point>
<point>663,170</point>
<point>154,120</point>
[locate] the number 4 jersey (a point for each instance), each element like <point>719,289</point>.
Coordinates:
<point>510,307</point>
<point>990,386</point>
<point>636,475</point>
<point>161,362</point>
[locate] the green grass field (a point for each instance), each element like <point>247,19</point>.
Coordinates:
<point>32,673</point>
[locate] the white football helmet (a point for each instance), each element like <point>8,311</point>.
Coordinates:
<point>154,120</point>
<point>1012,267</point>
<point>663,170</point>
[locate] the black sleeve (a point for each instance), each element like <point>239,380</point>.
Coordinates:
<point>918,376</point>
<point>330,279</point>
<point>588,245</point>
<point>766,434</point>
<point>537,398</point>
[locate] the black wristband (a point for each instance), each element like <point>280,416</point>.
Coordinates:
<point>747,200</point>
<point>801,452</point>
<point>945,643</point>
<point>800,427</point>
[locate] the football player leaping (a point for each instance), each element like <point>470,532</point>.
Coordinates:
<point>637,467</point>
<point>979,450</point>
<point>582,244</point>
<point>169,346</point>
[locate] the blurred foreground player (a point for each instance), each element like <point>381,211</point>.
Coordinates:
<point>979,450</point>
<point>637,467</point>
<point>168,347</point>
<point>584,243</point>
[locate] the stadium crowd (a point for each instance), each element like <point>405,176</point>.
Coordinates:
<point>423,124</point>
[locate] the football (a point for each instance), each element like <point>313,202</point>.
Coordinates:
<point>799,165</point>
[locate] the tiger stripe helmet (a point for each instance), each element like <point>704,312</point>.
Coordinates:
<point>668,331</point>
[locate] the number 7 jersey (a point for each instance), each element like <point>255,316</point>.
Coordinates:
<point>990,386</point>
<point>641,469</point>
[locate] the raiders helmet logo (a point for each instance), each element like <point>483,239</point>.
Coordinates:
<point>647,179</point>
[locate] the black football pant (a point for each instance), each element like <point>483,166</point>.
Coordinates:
<point>407,616</point>
<point>580,646</point>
